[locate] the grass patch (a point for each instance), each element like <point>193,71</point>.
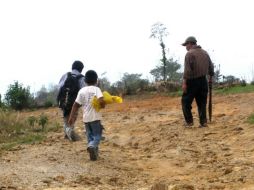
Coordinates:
<point>175,94</point>
<point>15,130</point>
<point>27,139</point>
<point>55,127</point>
<point>225,91</point>
<point>32,138</point>
<point>235,90</point>
<point>250,119</point>
<point>7,146</point>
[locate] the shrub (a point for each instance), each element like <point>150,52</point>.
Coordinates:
<point>243,83</point>
<point>43,120</point>
<point>251,119</point>
<point>18,97</point>
<point>48,104</point>
<point>31,121</point>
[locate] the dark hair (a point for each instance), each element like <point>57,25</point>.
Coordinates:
<point>78,65</point>
<point>91,77</point>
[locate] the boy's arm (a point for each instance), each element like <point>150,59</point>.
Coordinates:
<point>73,115</point>
<point>102,102</point>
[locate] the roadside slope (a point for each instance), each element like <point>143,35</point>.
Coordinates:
<point>145,144</point>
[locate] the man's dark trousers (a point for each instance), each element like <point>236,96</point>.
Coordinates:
<point>196,88</point>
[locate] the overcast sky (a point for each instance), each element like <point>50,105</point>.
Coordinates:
<point>40,39</point>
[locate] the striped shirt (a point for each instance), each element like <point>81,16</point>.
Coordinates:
<point>197,63</point>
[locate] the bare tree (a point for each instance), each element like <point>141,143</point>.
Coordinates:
<point>217,74</point>
<point>159,31</point>
<point>252,74</point>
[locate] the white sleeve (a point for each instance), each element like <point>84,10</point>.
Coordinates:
<point>79,98</point>
<point>98,93</point>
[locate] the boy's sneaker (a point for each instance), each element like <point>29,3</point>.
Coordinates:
<point>93,153</point>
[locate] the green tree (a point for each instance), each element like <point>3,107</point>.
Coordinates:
<point>171,71</point>
<point>133,82</point>
<point>159,31</point>
<point>18,97</point>
<point>46,97</point>
<point>104,84</point>
<point>117,88</point>
<point>41,96</point>
<point>52,94</point>
<point>217,74</point>
<point>230,79</point>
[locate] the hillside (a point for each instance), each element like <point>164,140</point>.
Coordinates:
<point>145,145</point>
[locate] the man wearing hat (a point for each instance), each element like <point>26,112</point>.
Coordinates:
<point>197,66</point>
<point>77,68</point>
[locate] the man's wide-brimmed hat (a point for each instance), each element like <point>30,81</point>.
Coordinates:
<point>189,39</point>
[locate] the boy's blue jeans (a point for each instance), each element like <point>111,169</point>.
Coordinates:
<point>93,133</point>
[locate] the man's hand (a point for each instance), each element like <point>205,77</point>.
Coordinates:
<point>71,121</point>
<point>184,86</point>
<point>73,114</point>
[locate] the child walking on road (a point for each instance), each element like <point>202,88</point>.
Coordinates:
<point>91,118</point>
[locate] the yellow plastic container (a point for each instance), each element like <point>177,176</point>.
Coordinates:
<point>108,100</point>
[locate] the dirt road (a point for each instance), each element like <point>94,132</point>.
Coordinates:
<point>145,145</point>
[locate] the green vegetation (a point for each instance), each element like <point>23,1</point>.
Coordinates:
<point>18,97</point>
<point>176,94</point>
<point>43,120</point>
<point>235,90</point>
<point>15,130</point>
<point>251,119</point>
<point>46,97</point>
<point>31,121</point>
<point>224,91</point>
<point>168,68</point>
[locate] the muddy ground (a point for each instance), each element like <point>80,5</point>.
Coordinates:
<point>145,145</point>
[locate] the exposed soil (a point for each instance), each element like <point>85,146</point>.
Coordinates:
<point>145,145</point>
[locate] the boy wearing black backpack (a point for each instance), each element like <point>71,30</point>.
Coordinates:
<point>69,85</point>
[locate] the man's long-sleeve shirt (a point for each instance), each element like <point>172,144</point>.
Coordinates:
<point>197,63</point>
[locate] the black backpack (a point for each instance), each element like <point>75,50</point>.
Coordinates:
<point>68,92</point>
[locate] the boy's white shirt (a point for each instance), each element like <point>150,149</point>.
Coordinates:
<point>84,98</point>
